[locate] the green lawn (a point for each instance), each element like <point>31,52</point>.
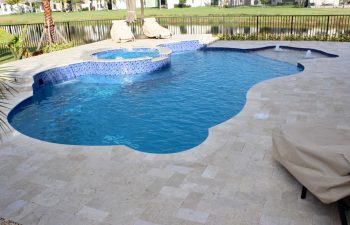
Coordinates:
<point>199,11</point>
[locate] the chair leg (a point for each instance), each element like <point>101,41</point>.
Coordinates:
<point>342,207</point>
<point>303,192</point>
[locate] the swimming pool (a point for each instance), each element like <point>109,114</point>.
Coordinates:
<point>166,111</point>
<point>124,53</point>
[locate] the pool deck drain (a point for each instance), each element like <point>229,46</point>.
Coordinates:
<point>230,178</point>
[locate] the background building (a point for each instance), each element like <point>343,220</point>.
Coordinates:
<point>30,6</point>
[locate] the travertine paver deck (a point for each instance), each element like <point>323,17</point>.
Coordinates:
<point>231,178</point>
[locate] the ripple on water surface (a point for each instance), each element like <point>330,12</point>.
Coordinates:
<point>127,53</point>
<point>161,112</point>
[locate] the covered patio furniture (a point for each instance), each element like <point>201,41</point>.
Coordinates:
<point>121,32</point>
<point>153,30</point>
<point>319,158</point>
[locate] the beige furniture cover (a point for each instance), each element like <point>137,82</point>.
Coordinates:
<point>318,157</point>
<point>153,30</point>
<point>121,32</point>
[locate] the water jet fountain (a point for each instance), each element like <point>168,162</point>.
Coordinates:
<point>278,49</point>
<point>308,54</point>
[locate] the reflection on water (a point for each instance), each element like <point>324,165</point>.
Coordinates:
<point>101,32</point>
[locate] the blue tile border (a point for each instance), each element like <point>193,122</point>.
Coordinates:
<point>108,68</point>
<point>184,46</point>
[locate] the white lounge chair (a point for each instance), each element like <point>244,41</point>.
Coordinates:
<point>153,30</point>
<point>121,32</point>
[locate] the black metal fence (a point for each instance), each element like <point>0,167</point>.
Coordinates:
<point>325,27</point>
<point>308,26</point>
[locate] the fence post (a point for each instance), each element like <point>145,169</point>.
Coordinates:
<point>327,27</point>
<point>11,30</point>
<point>257,27</point>
<point>98,30</point>
<point>191,25</point>
<point>291,26</point>
<point>223,27</point>
<point>68,28</point>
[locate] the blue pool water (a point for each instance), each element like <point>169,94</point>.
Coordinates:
<point>127,53</point>
<point>161,112</point>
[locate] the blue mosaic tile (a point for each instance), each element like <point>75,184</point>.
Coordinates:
<point>70,72</point>
<point>183,46</point>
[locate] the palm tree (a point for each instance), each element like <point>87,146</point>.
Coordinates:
<point>12,2</point>
<point>6,90</point>
<point>49,25</point>
<point>142,11</point>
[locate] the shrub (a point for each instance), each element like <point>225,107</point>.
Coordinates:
<point>16,43</point>
<point>284,37</point>
<point>56,47</point>
<point>7,81</point>
<point>181,6</point>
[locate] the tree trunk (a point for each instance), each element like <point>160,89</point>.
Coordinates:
<point>69,6</point>
<point>62,6</point>
<point>142,11</point>
<point>49,21</point>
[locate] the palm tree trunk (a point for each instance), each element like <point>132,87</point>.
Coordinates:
<point>142,11</point>
<point>49,21</point>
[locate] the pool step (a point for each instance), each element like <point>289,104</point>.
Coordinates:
<point>159,58</point>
